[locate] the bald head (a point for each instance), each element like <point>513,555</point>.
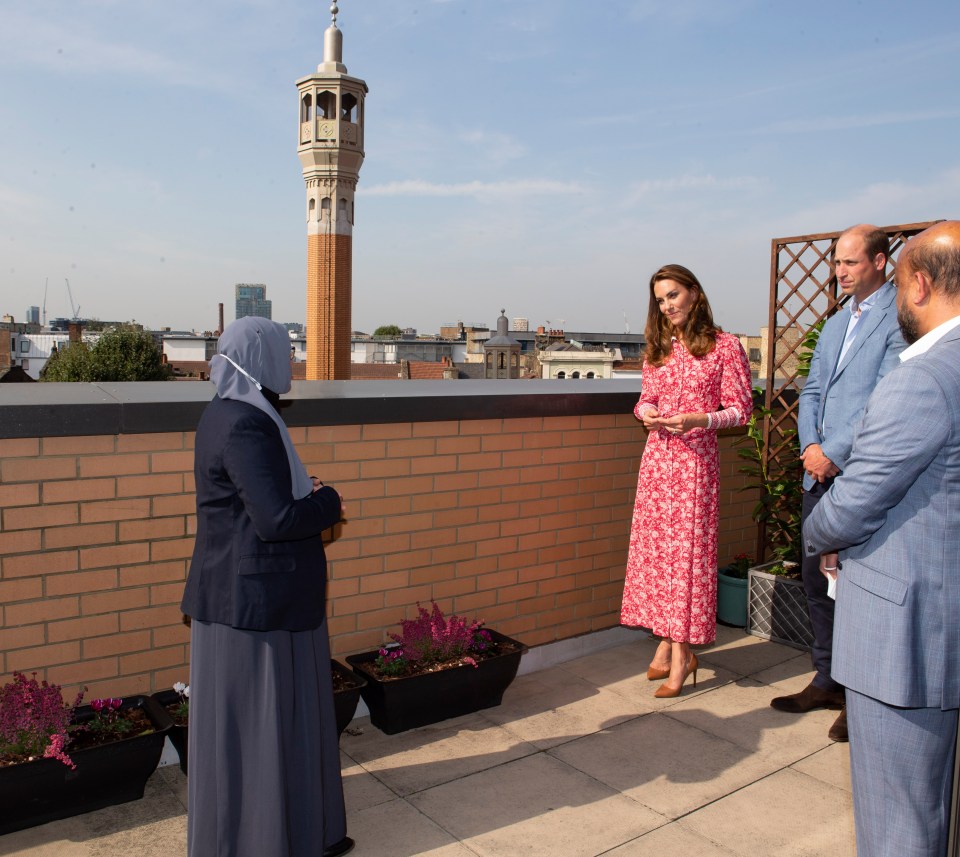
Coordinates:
<point>928,280</point>
<point>935,253</point>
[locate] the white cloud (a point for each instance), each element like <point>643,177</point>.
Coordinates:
<point>865,120</point>
<point>637,191</point>
<point>476,189</point>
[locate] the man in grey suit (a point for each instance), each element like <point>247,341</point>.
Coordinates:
<point>893,513</point>
<point>856,348</point>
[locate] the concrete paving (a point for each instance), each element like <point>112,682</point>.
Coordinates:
<point>580,760</point>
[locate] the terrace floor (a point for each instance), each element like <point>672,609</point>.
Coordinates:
<point>579,760</point>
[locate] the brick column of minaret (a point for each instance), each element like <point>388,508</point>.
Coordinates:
<point>331,154</point>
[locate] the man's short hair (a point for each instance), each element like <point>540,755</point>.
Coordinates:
<point>940,262</point>
<point>876,241</point>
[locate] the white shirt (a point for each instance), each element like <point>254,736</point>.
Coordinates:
<point>929,339</point>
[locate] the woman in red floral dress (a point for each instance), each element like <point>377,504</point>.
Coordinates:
<point>696,380</point>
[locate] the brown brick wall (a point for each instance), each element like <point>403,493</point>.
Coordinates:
<point>329,285</point>
<point>522,522</point>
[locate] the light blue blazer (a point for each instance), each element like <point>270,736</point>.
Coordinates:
<point>895,514</point>
<point>831,402</point>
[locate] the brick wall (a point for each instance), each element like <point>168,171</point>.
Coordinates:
<point>522,521</point>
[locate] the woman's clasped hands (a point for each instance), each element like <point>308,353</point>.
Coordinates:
<point>677,424</point>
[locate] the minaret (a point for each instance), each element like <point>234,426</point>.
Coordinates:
<point>331,154</point>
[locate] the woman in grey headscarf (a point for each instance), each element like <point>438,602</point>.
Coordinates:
<point>263,749</point>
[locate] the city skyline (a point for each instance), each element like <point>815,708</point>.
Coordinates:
<point>542,156</point>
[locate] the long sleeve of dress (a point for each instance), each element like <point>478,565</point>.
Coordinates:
<point>649,395</point>
<point>735,389</point>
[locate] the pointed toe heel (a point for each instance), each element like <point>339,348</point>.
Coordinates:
<point>653,674</point>
<point>664,692</point>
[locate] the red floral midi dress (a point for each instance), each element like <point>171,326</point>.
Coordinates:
<point>671,580</point>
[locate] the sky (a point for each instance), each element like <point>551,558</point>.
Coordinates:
<point>540,156</point>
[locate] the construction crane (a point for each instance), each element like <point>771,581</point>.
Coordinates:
<point>46,283</point>
<point>74,309</point>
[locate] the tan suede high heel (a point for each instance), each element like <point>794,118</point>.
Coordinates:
<point>653,674</point>
<point>664,692</point>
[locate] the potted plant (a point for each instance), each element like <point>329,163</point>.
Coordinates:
<point>776,602</point>
<point>347,686</point>
<point>732,590</point>
<point>59,760</point>
<point>437,667</point>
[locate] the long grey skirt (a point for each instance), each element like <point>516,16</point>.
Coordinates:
<point>264,757</point>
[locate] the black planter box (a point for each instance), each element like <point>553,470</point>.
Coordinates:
<point>345,701</point>
<point>419,700</point>
<point>46,790</point>
<point>177,734</point>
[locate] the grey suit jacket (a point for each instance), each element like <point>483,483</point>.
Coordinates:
<point>831,402</point>
<point>895,514</point>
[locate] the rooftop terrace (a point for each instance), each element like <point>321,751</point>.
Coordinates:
<point>579,760</point>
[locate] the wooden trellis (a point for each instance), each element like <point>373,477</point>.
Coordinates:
<point>803,291</point>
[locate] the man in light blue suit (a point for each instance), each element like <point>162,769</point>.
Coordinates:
<point>894,514</point>
<point>856,348</point>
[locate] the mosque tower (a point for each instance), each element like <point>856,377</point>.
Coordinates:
<point>331,154</point>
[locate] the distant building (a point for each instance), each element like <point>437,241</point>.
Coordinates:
<point>33,315</point>
<point>501,353</point>
<point>565,360</point>
<point>521,324</point>
<point>758,349</point>
<point>252,300</point>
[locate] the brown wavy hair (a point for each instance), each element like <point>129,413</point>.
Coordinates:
<point>700,332</point>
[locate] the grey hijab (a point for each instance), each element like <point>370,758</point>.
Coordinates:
<point>253,353</point>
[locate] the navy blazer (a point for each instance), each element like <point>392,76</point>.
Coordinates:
<point>258,562</point>
<point>832,402</point>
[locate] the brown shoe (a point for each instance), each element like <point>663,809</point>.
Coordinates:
<point>838,732</point>
<point>808,699</point>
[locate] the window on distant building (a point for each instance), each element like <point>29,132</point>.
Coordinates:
<point>575,375</point>
<point>306,108</point>
<point>325,208</point>
<point>591,375</point>
<point>24,346</point>
<point>561,375</point>
<point>754,355</point>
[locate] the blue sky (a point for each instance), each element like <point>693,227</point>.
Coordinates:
<point>545,156</point>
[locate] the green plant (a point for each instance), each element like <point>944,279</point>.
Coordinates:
<point>780,486</point>
<point>740,565</point>
<point>430,641</point>
<point>180,710</point>
<point>807,346</point>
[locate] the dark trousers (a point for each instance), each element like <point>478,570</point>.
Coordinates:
<point>819,603</point>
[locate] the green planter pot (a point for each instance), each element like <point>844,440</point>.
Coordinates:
<point>731,597</point>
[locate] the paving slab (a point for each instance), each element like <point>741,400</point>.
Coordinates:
<point>396,829</point>
<point>421,758</point>
<point>671,840</point>
<point>743,653</point>
<point>669,766</point>
<point>538,807</point>
<point>788,814</point>
<point>555,706</point>
<point>741,713</point>
<point>830,765</point>
<point>361,789</point>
